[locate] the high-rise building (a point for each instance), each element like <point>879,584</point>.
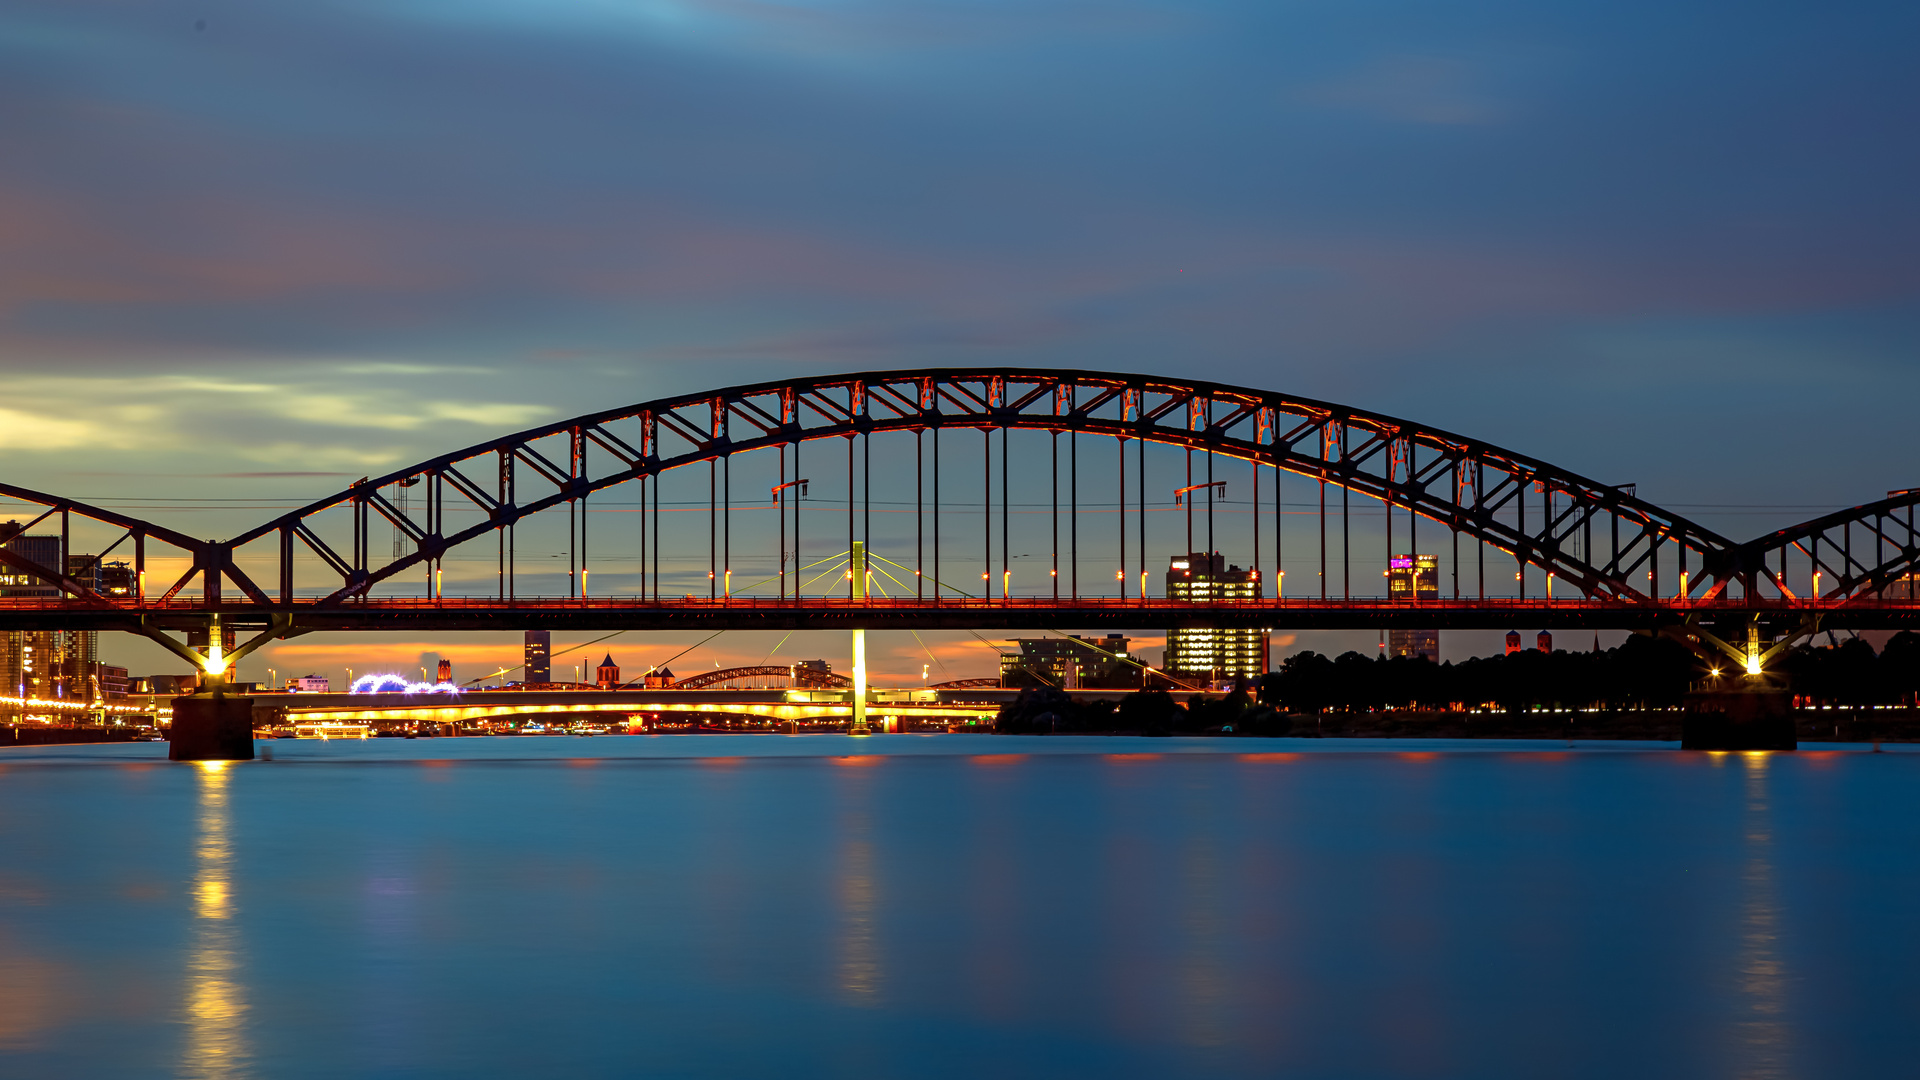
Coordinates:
<point>1411,578</point>
<point>111,578</point>
<point>1070,663</point>
<point>51,665</point>
<point>1205,652</point>
<point>444,671</point>
<point>539,664</point>
<point>40,550</point>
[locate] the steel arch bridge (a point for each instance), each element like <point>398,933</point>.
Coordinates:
<point>760,676</point>
<point>1159,454</point>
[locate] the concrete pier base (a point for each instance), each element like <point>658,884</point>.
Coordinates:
<point>212,727</point>
<point>1738,719</point>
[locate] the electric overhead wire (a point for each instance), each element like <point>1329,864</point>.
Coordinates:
<point>661,666</point>
<point>563,652</point>
<point>776,648</point>
<point>1125,659</point>
<point>935,580</point>
<point>929,652</point>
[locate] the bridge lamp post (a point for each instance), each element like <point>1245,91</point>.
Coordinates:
<point>215,662</point>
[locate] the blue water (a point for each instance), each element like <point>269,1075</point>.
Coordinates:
<point>959,906</point>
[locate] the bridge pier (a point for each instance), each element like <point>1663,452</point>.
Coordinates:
<point>1754,717</point>
<point>211,726</point>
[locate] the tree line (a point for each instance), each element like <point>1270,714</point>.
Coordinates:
<point>1642,673</point>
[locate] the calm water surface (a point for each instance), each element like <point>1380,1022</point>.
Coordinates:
<point>958,906</point>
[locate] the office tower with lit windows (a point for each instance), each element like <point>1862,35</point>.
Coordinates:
<point>1412,578</point>
<point>39,550</point>
<point>51,665</point>
<point>539,664</point>
<point>1211,653</point>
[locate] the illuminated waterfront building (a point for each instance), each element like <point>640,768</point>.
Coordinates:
<point>1412,578</point>
<point>1070,663</point>
<point>53,665</point>
<point>607,675</point>
<point>1209,652</point>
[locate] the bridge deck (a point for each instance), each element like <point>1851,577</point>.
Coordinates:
<point>1021,613</point>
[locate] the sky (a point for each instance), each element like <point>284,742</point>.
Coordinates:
<point>251,252</point>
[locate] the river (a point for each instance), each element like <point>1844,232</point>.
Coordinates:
<point>959,906</point>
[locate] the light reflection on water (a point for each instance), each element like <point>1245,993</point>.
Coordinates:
<point>966,907</point>
<point>1765,1034</point>
<point>216,998</point>
<point>859,966</point>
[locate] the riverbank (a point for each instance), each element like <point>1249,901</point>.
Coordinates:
<point>41,735</point>
<point>1863,725</point>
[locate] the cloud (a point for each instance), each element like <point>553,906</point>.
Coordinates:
<point>837,30</point>
<point>362,457</point>
<point>272,475</point>
<point>488,414</point>
<point>32,431</point>
<point>1413,90</point>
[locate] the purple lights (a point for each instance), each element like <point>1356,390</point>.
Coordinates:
<point>395,684</point>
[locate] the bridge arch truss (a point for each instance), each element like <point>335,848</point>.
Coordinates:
<point>1593,539</point>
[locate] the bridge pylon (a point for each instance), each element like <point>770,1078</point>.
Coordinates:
<point>858,570</point>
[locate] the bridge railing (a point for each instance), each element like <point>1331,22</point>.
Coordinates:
<point>1035,603</point>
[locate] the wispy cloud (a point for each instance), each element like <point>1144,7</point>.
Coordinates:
<point>1414,90</point>
<point>33,431</point>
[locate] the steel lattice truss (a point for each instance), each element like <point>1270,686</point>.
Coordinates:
<point>1602,544</point>
<point>786,676</point>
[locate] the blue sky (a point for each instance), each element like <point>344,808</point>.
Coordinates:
<point>1670,244</point>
